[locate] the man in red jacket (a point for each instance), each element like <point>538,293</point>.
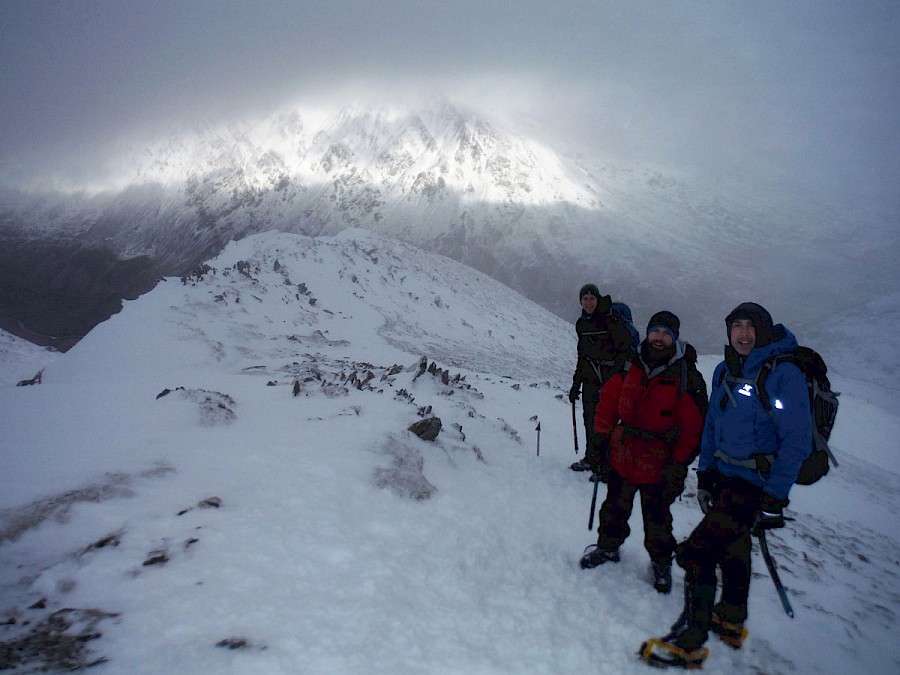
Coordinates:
<point>652,413</point>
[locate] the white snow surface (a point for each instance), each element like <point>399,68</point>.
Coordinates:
<point>342,542</point>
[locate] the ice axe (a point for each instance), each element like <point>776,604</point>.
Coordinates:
<point>574,427</point>
<point>773,572</point>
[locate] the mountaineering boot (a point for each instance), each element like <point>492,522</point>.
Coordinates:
<point>728,624</point>
<point>581,465</point>
<point>683,645</point>
<point>597,556</point>
<point>662,575</point>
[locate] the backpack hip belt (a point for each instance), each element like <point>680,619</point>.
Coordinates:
<point>761,463</point>
<point>668,436</point>
<point>597,365</point>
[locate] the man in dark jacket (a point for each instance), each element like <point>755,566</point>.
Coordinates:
<point>749,459</point>
<point>604,344</point>
<point>652,414</point>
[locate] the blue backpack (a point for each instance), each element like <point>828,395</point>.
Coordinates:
<point>623,311</point>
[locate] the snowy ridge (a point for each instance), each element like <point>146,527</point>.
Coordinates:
<point>269,295</point>
<point>220,479</point>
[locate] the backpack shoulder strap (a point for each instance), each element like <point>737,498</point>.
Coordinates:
<point>694,385</point>
<point>766,370</point>
<point>730,381</point>
<point>761,378</point>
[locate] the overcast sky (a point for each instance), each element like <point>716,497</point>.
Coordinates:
<point>802,88</point>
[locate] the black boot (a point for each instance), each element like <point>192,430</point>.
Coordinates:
<point>581,465</point>
<point>683,645</point>
<point>662,575</point>
<point>691,629</point>
<point>597,556</point>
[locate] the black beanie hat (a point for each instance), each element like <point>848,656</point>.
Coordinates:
<point>589,289</point>
<point>758,315</point>
<point>667,320</point>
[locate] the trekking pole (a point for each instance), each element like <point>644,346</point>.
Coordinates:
<point>773,572</point>
<point>593,506</point>
<point>574,427</point>
<point>538,430</point>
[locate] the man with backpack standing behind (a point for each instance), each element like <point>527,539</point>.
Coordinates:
<point>652,414</point>
<point>604,344</point>
<point>750,456</point>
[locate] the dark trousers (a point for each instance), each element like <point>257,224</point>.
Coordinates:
<point>723,539</point>
<point>616,511</point>
<point>590,394</point>
<point>593,451</point>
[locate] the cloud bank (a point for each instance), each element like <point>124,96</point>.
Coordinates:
<point>804,92</point>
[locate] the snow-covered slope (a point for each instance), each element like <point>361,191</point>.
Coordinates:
<point>220,479</point>
<point>21,360</point>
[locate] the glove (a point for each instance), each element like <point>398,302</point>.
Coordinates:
<point>706,480</point>
<point>599,474</point>
<point>770,515</point>
<point>673,481</point>
<point>597,455</point>
<point>705,499</point>
<point>706,483</point>
<point>574,392</point>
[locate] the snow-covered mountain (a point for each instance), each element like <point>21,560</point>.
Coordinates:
<point>220,479</point>
<point>481,190</point>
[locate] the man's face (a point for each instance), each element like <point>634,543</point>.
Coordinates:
<point>659,338</point>
<point>743,336</point>
<point>588,303</point>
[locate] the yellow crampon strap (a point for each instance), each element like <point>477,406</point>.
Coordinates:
<point>695,657</point>
<point>731,634</point>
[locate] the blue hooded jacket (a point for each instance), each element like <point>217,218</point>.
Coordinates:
<point>743,428</point>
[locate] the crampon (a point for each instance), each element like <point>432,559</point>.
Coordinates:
<point>661,654</point>
<point>731,634</point>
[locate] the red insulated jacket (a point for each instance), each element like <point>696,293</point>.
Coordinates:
<point>649,418</point>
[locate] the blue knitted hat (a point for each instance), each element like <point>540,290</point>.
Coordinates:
<point>667,320</point>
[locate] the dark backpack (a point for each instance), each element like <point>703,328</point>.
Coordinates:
<point>823,406</point>
<point>604,339</point>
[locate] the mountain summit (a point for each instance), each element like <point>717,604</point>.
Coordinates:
<point>441,177</point>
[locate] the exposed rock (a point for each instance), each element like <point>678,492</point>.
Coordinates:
<point>59,643</point>
<point>208,503</point>
<point>34,380</point>
<point>238,643</point>
<point>156,558</point>
<point>214,407</point>
<point>404,478</point>
<point>426,429</point>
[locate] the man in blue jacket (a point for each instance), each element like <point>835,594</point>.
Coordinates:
<point>749,459</point>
